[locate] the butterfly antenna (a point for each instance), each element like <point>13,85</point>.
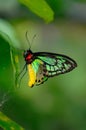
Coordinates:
<point>33,39</point>
<point>28,39</point>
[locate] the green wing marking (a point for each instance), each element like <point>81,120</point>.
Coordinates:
<point>56,64</point>
<point>48,65</point>
<point>38,67</point>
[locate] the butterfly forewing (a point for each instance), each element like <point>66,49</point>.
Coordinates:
<point>56,64</point>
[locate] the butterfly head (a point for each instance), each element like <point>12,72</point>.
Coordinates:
<point>28,55</point>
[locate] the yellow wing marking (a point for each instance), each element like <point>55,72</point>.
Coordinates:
<point>32,76</point>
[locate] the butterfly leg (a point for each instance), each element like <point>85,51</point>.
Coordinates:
<point>19,77</point>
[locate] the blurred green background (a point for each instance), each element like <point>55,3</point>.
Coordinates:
<point>60,103</point>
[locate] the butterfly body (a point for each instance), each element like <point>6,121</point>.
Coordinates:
<point>42,65</point>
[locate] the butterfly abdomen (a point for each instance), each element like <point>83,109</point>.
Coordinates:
<point>32,75</point>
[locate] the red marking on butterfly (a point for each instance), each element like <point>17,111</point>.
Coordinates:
<point>29,56</point>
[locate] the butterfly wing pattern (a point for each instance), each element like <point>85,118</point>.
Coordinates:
<point>45,65</point>
<point>35,70</point>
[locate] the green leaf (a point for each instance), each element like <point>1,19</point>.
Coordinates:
<point>7,124</point>
<point>8,35</point>
<point>41,8</point>
<point>8,62</point>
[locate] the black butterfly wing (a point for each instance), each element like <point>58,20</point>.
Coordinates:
<point>47,65</point>
<point>55,64</point>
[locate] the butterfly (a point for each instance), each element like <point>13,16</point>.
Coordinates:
<point>43,65</point>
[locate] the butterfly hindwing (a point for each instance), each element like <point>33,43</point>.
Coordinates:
<point>36,75</point>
